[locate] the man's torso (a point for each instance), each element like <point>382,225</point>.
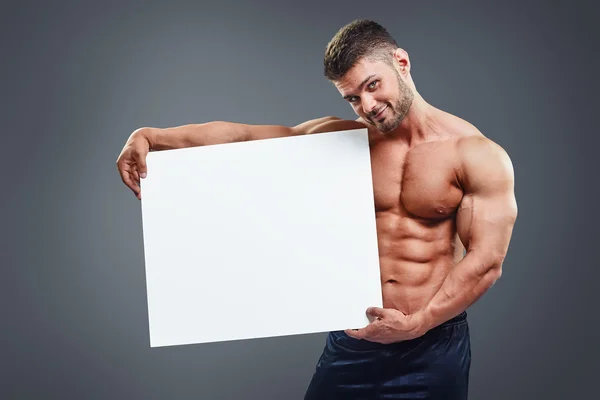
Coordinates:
<point>417,194</point>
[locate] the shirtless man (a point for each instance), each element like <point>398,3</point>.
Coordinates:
<point>445,209</point>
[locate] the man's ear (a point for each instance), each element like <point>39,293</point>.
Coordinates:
<point>402,61</point>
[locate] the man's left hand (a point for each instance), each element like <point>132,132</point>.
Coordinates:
<point>389,325</point>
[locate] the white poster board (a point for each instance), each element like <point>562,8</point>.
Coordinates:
<point>258,239</point>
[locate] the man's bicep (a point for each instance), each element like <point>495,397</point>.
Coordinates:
<point>488,211</point>
<point>485,223</point>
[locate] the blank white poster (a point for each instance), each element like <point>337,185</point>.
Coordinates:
<point>259,239</point>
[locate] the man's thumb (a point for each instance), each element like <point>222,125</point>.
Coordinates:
<point>142,168</point>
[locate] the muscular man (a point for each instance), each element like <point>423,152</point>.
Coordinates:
<point>440,188</point>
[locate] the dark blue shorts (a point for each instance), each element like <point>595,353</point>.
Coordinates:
<point>433,366</point>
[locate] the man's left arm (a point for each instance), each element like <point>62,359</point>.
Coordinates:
<point>485,220</point>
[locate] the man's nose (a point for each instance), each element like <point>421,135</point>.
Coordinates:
<point>368,104</point>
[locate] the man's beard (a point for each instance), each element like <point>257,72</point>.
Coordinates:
<point>398,110</point>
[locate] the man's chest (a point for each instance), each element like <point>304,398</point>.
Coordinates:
<point>420,181</point>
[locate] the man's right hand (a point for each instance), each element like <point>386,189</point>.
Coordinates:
<point>132,160</point>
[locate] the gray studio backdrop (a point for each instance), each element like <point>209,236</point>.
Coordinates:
<point>78,78</point>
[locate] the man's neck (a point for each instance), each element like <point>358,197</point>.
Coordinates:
<point>418,124</point>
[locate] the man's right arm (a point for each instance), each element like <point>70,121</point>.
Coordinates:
<point>132,160</point>
<point>219,132</point>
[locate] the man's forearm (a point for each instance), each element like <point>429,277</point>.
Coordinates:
<point>465,284</point>
<point>192,135</point>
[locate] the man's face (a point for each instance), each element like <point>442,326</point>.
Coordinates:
<point>377,93</point>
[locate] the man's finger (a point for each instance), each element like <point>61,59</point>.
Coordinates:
<point>376,312</point>
<point>362,333</point>
<point>356,334</point>
<point>136,176</point>
<point>141,164</point>
<point>127,180</point>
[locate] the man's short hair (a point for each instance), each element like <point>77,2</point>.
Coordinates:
<point>359,39</point>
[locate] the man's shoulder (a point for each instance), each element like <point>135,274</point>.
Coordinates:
<point>469,140</point>
<point>477,147</point>
<point>327,124</point>
<point>482,163</point>
<point>455,127</point>
<point>477,158</point>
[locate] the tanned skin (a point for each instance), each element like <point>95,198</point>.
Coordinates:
<point>444,194</point>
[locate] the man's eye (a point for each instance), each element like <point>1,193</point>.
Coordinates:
<point>352,99</point>
<point>372,85</point>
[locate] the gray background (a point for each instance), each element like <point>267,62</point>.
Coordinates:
<point>78,78</point>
